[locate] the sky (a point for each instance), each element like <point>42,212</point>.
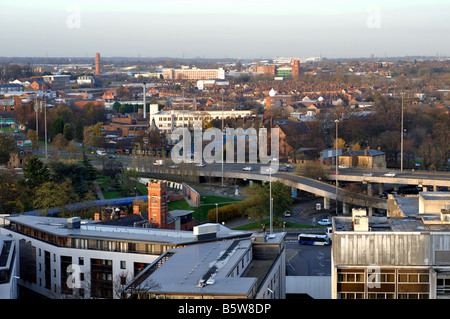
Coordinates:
<point>224,28</point>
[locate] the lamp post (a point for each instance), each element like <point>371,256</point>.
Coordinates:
<point>270,200</point>
<point>337,160</point>
<point>217,213</point>
<point>401,140</point>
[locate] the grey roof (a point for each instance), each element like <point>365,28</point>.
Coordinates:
<point>182,272</point>
<point>370,152</point>
<point>93,229</point>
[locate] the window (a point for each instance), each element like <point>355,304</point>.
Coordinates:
<point>123,264</point>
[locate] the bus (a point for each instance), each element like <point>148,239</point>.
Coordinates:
<point>313,239</point>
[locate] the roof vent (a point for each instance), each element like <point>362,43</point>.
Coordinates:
<point>74,223</point>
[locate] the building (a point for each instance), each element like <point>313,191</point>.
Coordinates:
<point>74,258</point>
<point>8,268</point>
<point>193,74</point>
<point>292,136</point>
<point>278,100</point>
<point>85,80</point>
<point>405,255</point>
<point>11,88</point>
<point>167,121</point>
<point>58,82</point>
<point>247,268</point>
<point>126,126</point>
<point>367,158</point>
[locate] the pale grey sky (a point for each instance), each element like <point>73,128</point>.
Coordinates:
<point>224,28</point>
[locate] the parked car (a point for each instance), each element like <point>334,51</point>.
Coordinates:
<point>324,222</point>
<point>343,166</point>
<point>390,174</point>
<point>287,213</point>
<point>101,153</point>
<point>247,168</point>
<point>111,157</point>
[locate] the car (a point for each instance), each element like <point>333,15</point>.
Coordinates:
<point>101,153</point>
<point>247,168</point>
<point>334,173</point>
<point>390,174</point>
<point>324,222</point>
<point>287,213</point>
<point>111,156</point>
<point>367,174</point>
<point>343,166</point>
<point>200,165</point>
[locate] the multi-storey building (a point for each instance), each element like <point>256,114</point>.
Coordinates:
<point>73,258</point>
<point>405,255</point>
<point>248,268</point>
<point>167,121</point>
<point>193,74</point>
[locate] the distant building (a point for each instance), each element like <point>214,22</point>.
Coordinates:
<point>58,82</point>
<point>367,158</point>
<point>278,100</point>
<point>193,74</point>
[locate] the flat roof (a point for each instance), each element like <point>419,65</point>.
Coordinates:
<point>92,229</point>
<point>183,271</point>
<point>213,263</point>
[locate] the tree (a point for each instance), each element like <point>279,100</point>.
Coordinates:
<point>55,194</point>
<point>282,200</point>
<point>7,145</point>
<point>312,170</point>
<point>35,172</point>
<point>78,134</point>
<point>9,191</point>
<point>67,132</point>
<point>57,127</point>
<point>33,136</point>
<point>59,142</point>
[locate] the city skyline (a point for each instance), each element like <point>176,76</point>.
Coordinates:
<point>245,29</point>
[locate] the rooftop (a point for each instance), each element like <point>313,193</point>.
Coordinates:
<point>93,229</point>
<point>205,269</point>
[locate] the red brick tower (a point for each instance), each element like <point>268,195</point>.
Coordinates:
<point>157,204</point>
<point>97,63</point>
<point>295,68</point>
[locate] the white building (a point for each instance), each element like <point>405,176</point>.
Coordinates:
<point>70,258</point>
<point>167,121</point>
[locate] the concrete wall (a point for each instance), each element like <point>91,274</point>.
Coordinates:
<point>317,287</point>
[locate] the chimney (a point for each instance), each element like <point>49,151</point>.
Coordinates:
<point>97,63</point>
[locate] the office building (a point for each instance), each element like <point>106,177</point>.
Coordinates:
<point>193,74</point>
<point>405,255</point>
<point>8,268</point>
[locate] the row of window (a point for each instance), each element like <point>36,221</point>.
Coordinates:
<point>383,277</point>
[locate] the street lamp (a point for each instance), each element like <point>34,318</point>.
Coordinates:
<point>337,160</point>
<point>217,213</point>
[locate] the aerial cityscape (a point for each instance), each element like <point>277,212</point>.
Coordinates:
<point>225,151</point>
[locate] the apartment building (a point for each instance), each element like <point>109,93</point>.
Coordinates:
<point>248,268</point>
<point>8,268</point>
<point>74,258</point>
<point>405,255</point>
